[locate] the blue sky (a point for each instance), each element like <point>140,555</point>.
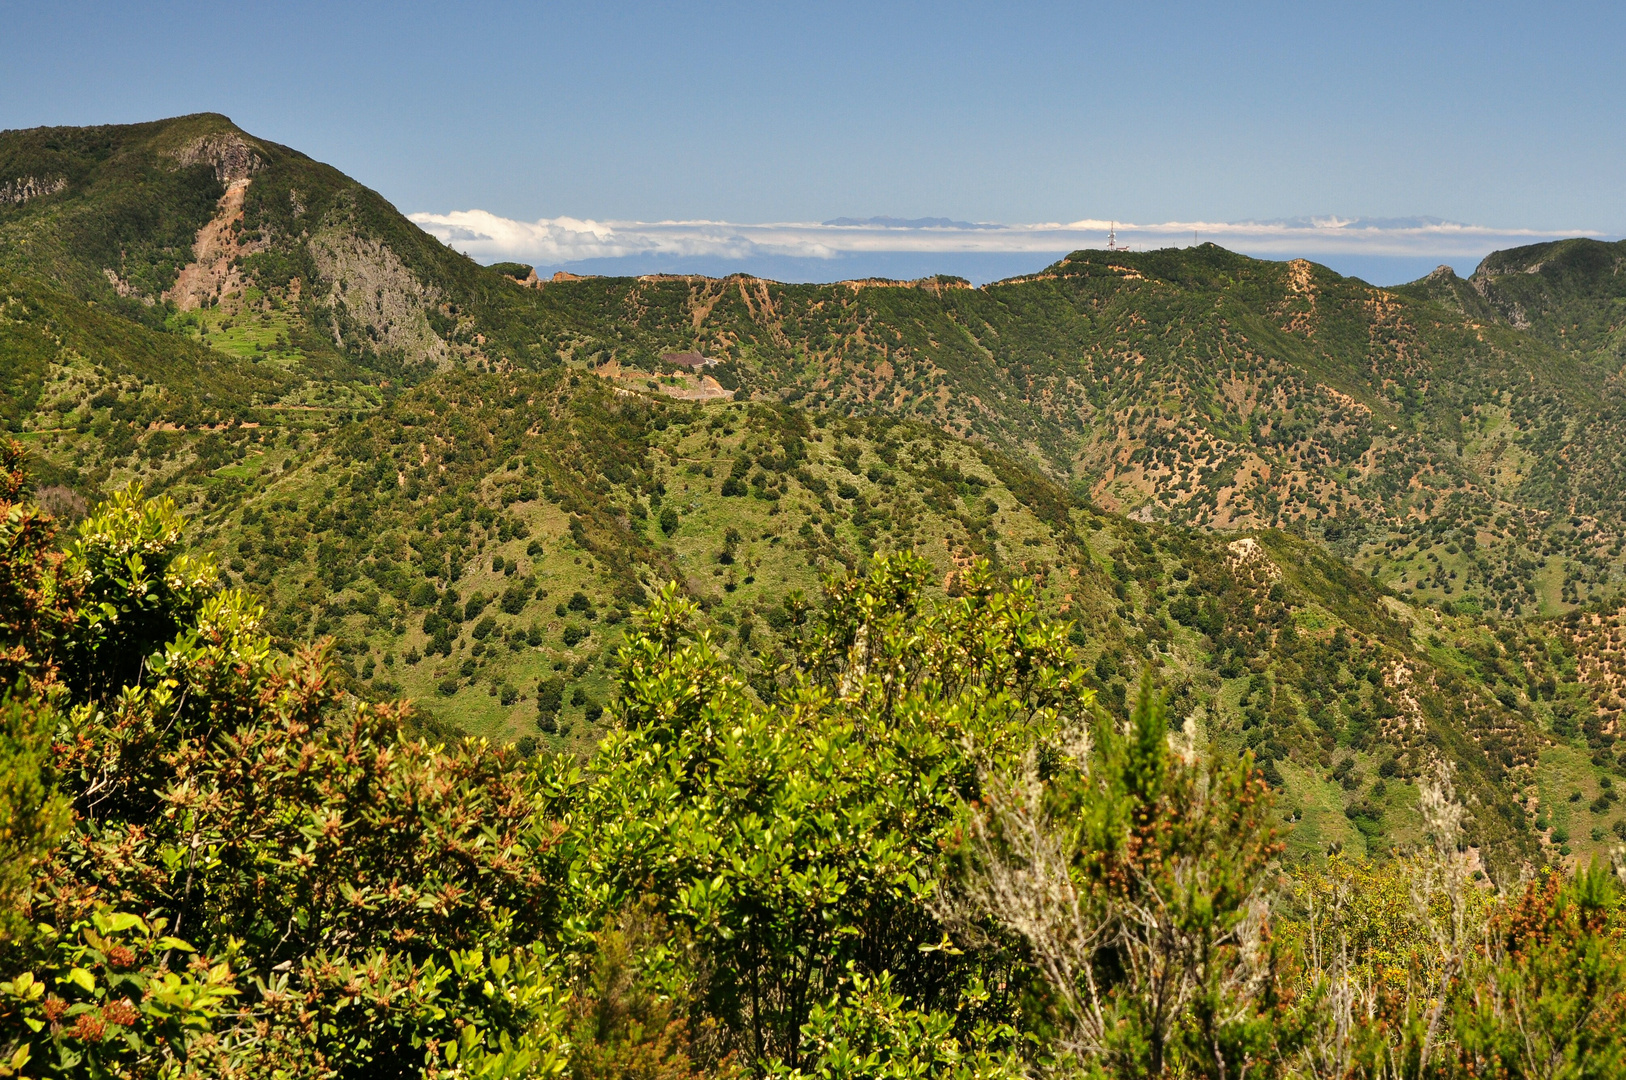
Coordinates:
<point>1503,117</point>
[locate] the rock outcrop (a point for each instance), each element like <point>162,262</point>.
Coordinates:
<point>18,191</point>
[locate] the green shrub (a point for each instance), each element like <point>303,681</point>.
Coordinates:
<point>515,270</point>
<point>738,819</point>
<point>549,694</point>
<point>137,589</point>
<point>217,743</point>
<point>515,597</point>
<point>906,843</point>
<point>32,813</point>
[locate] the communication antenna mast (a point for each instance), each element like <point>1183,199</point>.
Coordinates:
<point>1112,239</point>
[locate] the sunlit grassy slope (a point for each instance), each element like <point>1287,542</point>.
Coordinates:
<point>1362,531</point>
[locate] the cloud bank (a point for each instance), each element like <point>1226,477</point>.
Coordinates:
<point>846,242</point>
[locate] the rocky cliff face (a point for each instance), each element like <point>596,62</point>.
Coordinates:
<point>372,294</point>
<point>1571,293</point>
<point>231,156</point>
<point>23,188</point>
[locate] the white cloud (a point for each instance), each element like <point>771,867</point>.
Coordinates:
<point>555,241</point>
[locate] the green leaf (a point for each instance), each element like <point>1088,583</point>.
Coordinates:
<point>116,922</point>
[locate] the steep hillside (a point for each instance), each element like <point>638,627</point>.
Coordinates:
<point>1189,386</point>
<point>1328,514</point>
<point>194,223</point>
<point>1570,293</point>
<point>478,542</point>
<point>1193,386</point>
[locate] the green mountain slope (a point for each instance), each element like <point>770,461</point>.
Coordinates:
<point>1569,293</point>
<point>194,214</point>
<point>102,203</point>
<point>1190,386</point>
<point>1571,296</point>
<point>1306,501</point>
<point>477,543</point>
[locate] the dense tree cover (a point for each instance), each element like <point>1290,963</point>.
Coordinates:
<point>919,847</point>
<point>1191,385</point>
<point>1200,386</point>
<point>392,445</point>
<point>136,213</point>
<point>888,834</point>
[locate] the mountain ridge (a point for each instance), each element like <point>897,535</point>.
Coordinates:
<point>1328,514</point>
<point>1398,397</point>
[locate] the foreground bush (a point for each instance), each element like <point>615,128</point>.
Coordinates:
<point>261,873</point>
<point>795,842</point>
<point>914,848</point>
<point>1136,873</point>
